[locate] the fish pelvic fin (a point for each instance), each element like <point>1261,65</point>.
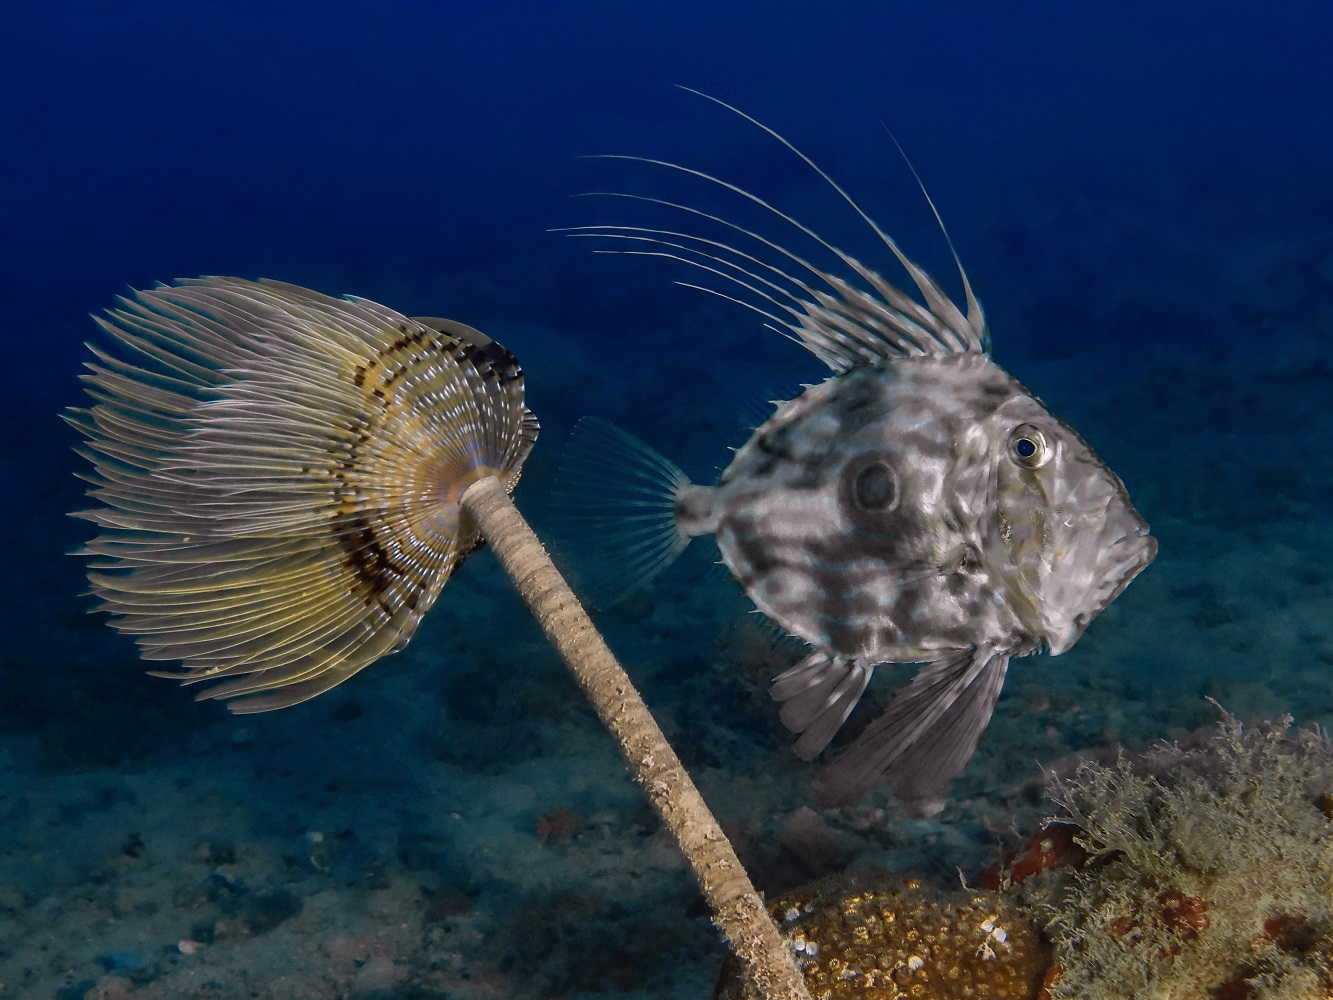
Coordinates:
<point>925,737</point>
<point>817,695</point>
<point>623,512</point>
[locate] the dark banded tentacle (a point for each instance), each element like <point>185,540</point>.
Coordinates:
<point>277,473</point>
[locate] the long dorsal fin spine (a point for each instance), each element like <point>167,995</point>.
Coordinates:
<point>711,270</point>
<point>772,245</point>
<point>847,259</point>
<point>866,320</point>
<point>929,290</point>
<point>651,235</point>
<point>976,317</point>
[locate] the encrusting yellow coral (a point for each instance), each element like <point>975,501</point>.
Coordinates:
<point>903,942</point>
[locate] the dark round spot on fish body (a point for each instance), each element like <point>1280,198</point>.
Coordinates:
<point>875,488</point>
<point>870,501</point>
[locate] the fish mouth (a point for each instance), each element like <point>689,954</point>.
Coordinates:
<point>1124,559</point>
<point>1055,645</point>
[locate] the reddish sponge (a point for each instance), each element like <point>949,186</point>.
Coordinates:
<point>1054,846</point>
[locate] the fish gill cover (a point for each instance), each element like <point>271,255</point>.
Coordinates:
<point>1140,196</point>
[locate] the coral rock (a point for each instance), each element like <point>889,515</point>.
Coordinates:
<point>856,940</point>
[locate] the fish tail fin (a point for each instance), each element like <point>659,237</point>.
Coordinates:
<point>925,737</point>
<point>615,501</point>
<point>817,695</point>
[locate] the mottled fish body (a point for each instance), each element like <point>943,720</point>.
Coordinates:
<point>896,488</point>
<point>919,506</point>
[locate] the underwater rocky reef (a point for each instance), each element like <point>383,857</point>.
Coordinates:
<point>480,838</point>
<point>1200,869</point>
<point>1209,871</point>
<point>454,823</point>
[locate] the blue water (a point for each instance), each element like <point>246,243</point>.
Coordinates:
<point>1140,193</point>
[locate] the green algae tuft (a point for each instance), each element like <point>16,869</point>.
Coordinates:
<point>1211,871</point>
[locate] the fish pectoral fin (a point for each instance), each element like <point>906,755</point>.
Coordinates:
<point>817,695</point>
<point>615,505</point>
<point>925,737</point>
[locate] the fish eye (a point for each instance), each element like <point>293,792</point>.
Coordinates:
<point>1028,447</point>
<point>875,488</point>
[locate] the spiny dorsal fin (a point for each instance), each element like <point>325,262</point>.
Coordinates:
<point>844,322</point>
